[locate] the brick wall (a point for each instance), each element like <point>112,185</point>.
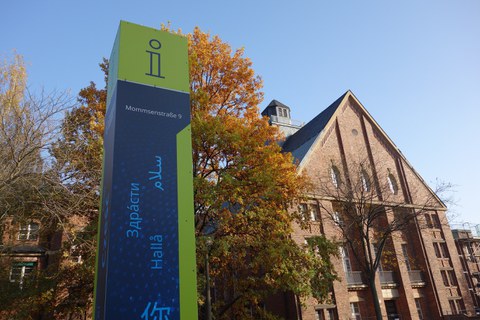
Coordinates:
<point>353,139</point>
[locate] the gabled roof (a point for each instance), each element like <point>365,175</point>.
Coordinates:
<point>276,103</point>
<point>272,106</point>
<point>301,141</point>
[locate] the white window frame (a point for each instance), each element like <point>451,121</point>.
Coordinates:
<point>314,212</point>
<point>392,183</point>
<point>365,179</point>
<point>335,175</point>
<point>303,209</point>
<point>28,232</point>
<point>355,311</point>
<point>375,253</point>
<point>25,270</point>
<point>347,264</point>
<point>337,219</point>
<point>282,112</point>
<point>74,256</point>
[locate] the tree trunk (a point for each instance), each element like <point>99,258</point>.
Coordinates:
<point>376,303</point>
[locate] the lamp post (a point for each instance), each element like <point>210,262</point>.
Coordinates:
<point>208,298</point>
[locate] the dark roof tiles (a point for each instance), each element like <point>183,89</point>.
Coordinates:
<point>309,132</point>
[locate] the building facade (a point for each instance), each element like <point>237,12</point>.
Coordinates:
<point>420,275</point>
<point>467,242</point>
<point>25,249</point>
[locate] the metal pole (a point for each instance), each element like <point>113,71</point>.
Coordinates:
<point>207,287</point>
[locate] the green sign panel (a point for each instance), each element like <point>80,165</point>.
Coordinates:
<point>146,246</point>
<point>146,55</point>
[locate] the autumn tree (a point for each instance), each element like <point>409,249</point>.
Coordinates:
<point>371,213</point>
<point>78,169</point>
<point>243,186</point>
<point>28,127</point>
<point>52,173</point>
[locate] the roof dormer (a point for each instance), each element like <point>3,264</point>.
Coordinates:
<point>277,112</point>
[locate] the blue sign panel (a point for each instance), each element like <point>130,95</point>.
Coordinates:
<point>146,244</point>
<point>138,258</point>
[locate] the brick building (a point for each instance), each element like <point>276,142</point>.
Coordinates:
<point>467,242</point>
<point>26,247</point>
<point>422,276</point>
<point>31,254</point>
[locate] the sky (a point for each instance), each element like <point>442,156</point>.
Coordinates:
<point>415,65</point>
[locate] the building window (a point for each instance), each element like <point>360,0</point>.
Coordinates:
<point>419,309</point>
<point>337,219</point>
<point>347,266</point>
<point>428,220</point>
<point>445,278</point>
<point>303,209</point>
<point>375,254</point>
<point>331,314</point>
<point>453,308</point>
<point>460,306</point>
<point>365,179</point>
<point>464,268</point>
<point>335,174</point>
<point>314,212</point>
<point>459,250</point>
<point>355,311</point>
<point>437,250</point>
<point>436,221</point>
<point>452,278</point>
<point>21,270</point>
<point>471,253</point>
<point>75,255</point>
<point>444,248</point>
<point>28,231</point>
<point>319,315</point>
<point>282,112</point>
<point>392,183</point>
<point>405,256</point>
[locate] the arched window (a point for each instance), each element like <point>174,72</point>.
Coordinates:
<point>335,173</point>
<point>365,179</point>
<point>392,183</point>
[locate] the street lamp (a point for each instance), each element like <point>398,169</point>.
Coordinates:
<point>208,297</point>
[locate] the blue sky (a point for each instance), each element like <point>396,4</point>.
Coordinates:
<point>415,65</point>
